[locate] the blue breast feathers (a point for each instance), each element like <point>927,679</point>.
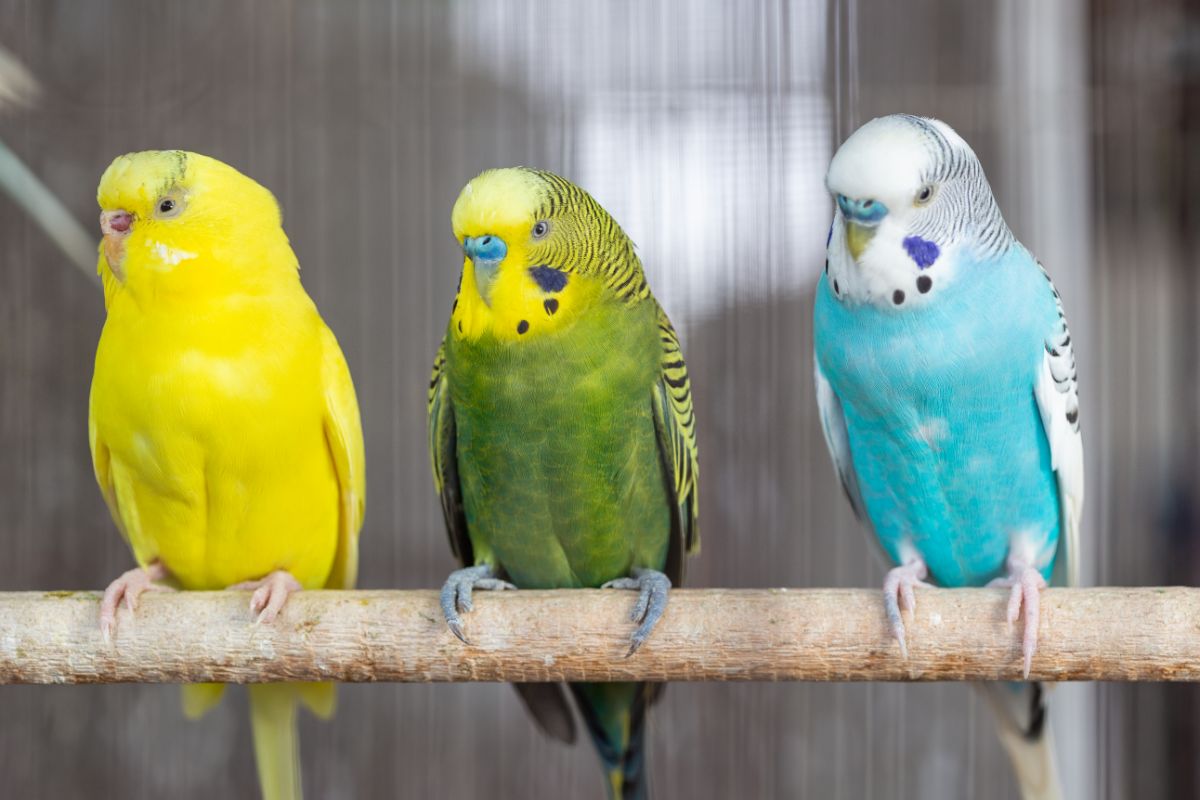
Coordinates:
<point>944,429</point>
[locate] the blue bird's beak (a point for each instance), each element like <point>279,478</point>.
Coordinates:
<point>862,220</point>
<point>486,252</point>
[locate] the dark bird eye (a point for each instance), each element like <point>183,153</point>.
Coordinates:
<point>541,229</point>
<point>925,194</point>
<point>166,206</point>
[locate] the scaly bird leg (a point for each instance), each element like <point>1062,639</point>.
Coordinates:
<point>129,586</point>
<point>1026,582</point>
<point>654,587</point>
<point>456,593</point>
<point>898,595</point>
<point>270,593</point>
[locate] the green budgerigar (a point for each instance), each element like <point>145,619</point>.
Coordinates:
<point>562,431</point>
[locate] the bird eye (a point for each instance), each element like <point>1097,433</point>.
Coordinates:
<point>925,195</point>
<point>541,229</point>
<point>168,207</point>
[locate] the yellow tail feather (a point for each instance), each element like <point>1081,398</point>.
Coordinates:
<point>276,741</point>
<point>200,698</point>
<point>273,720</point>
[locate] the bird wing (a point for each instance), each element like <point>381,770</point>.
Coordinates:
<point>444,459</point>
<point>837,439</point>
<point>675,421</point>
<point>1057,393</point>
<point>343,435</point>
<point>102,466</point>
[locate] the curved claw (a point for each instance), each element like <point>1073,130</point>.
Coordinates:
<point>457,591</point>
<point>270,594</point>
<point>1026,583</point>
<point>898,596</point>
<point>129,587</point>
<point>653,590</point>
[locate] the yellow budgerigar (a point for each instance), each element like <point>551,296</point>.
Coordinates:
<point>224,428</point>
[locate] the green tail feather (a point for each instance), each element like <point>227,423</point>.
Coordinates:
<point>615,714</point>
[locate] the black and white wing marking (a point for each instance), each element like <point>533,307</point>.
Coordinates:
<point>1057,393</point>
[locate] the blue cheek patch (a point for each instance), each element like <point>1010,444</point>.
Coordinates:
<point>922,251</point>
<point>549,278</point>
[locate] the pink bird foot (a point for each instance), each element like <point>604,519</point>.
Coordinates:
<point>1026,582</point>
<point>898,595</point>
<point>270,593</point>
<point>129,586</point>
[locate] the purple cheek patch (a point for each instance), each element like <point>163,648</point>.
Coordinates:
<point>922,251</point>
<point>829,238</point>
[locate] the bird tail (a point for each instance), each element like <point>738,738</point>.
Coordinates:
<point>273,720</point>
<point>1022,722</point>
<point>615,714</point>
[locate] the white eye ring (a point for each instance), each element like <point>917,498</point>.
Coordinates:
<point>540,229</point>
<point>168,206</point>
<point>924,195</point>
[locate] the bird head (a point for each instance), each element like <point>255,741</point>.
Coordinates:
<point>907,191</point>
<point>180,223</point>
<point>538,250</point>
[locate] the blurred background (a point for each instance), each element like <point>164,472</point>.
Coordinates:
<point>705,128</point>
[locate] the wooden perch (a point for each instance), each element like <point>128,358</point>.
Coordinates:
<point>707,634</point>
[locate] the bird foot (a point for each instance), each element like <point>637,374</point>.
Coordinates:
<point>129,586</point>
<point>653,587</point>
<point>1026,582</point>
<point>270,594</point>
<point>456,593</point>
<point>898,595</point>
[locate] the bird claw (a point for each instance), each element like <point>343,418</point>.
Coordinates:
<point>898,596</point>
<point>653,589</point>
<point>270,594</point>
<point>129,586</point>
<point>456,597</point>
<point>1026,583</point>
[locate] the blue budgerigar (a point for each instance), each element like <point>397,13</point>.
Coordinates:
<point>946,383</point>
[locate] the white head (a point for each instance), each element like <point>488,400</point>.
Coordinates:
<point>909,193</point>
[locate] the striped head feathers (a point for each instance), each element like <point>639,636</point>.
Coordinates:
<point>538,250</point>
<point>909,192</point>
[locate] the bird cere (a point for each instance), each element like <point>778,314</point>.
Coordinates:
<point>562,435</point>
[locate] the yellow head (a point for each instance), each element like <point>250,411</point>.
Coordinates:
<point>183,224</point>
<point>538,251</point>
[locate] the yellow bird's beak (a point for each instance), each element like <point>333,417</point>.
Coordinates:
<point>858,236</point>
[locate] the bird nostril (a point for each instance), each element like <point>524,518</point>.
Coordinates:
<point>868,203</point>
<point>485,241</point>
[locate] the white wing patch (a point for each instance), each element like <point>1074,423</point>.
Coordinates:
<point>837,439</point>
<point>1057,396</point>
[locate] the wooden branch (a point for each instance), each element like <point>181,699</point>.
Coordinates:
<point>707,634</point>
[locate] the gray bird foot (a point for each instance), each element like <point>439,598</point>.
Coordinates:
<point>654,587</point>
<point>898,595</point>
<point>456,593</point>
